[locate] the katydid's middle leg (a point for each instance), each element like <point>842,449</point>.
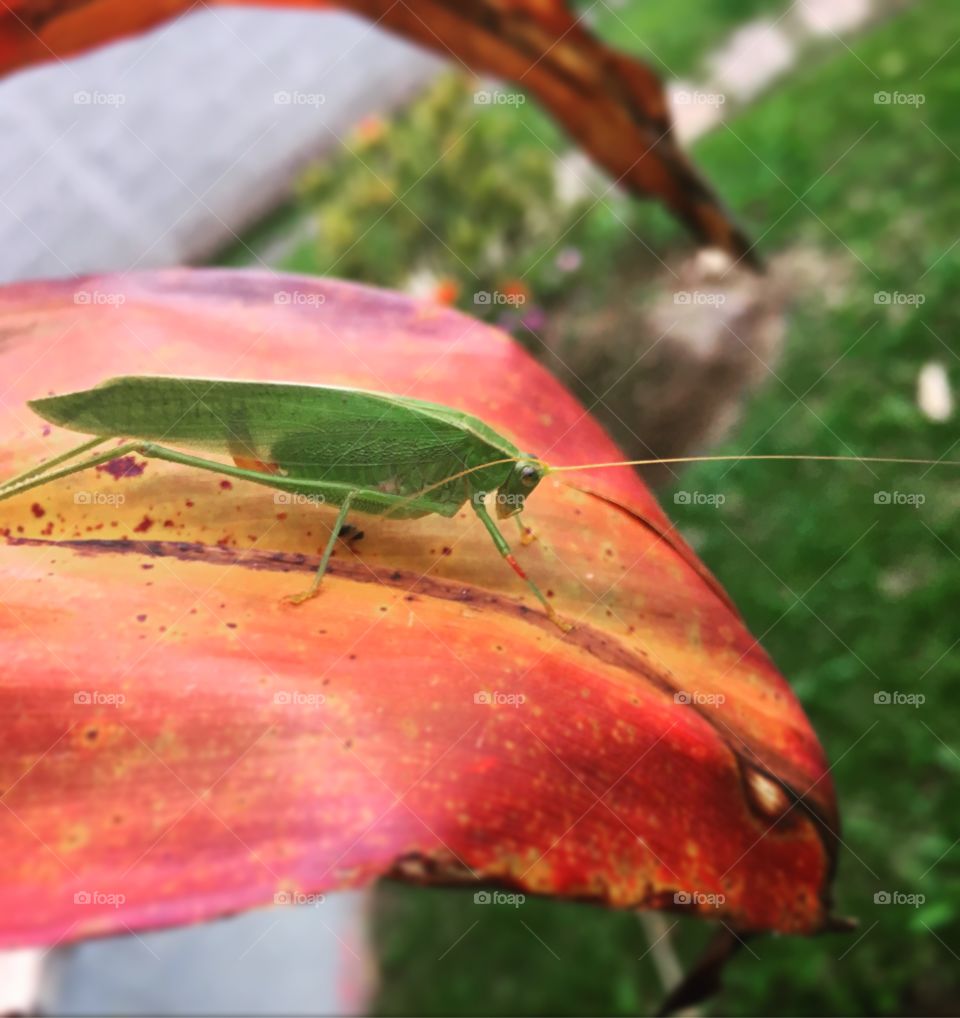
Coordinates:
<point>500,541</point>
<point>314,587</point>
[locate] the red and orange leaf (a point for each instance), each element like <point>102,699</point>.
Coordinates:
<point>180,743</point>
<point>612,105</point>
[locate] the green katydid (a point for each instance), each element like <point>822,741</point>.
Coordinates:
<point>358,450</point>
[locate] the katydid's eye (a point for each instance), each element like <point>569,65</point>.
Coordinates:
<point>529,476</point>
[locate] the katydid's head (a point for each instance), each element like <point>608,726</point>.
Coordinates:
<point>524,476</point>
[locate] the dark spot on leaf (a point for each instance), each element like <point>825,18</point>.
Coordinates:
<point>226,485</point>
<point>141,618</point>
<point>446,551</point>
<point>143,526</point>
<point>124,466</point>
<point>38,510</point>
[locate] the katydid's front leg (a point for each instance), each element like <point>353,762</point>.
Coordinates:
<point>314,587</point>
<point>500,541</point>
<point>527,536</point>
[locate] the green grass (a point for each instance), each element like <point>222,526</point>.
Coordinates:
<point>883,618</point>
<point>675,36</point>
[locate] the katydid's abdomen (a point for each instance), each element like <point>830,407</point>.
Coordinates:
<point>394,445</point>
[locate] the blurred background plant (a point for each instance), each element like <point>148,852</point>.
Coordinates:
<point>848,575</point>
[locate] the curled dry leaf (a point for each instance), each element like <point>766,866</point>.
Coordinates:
<point>180,743</point>
<point>613,105</point>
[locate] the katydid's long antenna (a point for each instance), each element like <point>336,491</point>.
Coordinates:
<point>797,458</point>
<point>676,460</point>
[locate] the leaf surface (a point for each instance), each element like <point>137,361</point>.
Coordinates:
<point>180,743</point>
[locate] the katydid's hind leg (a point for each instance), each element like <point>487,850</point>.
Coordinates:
<point>527,536</point>
<point>37,476</point>
<point>47,465</point>
<point>314,587</point>
<point>501,544</point>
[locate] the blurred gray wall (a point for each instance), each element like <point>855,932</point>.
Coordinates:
<point>157,150</point>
